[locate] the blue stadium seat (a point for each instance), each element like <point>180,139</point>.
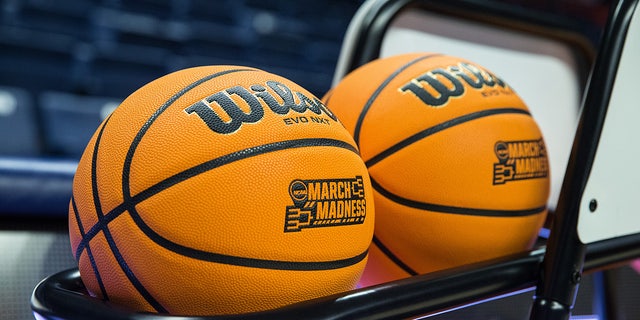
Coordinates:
<point>35,60</point>
<point>70,120</point>
<point>18,123</point>
<point>35,187</point>
<point>59,17</point>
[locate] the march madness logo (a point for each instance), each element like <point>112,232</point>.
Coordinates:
<point>325,203</point>
<point>520,160</point>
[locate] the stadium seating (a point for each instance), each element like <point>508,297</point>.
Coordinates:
<point>64,65</point>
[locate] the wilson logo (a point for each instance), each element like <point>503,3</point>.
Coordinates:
<point>520,160</point>
<point>325,203</point>
<point>437,86</point>
<point>225,111</point>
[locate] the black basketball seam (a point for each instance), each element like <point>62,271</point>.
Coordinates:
<point>127,164</point>
<point>374,96</point>
<point>440,127</point>
<point>120,208</point>
<point>243,261</point>
<point>107,233</point>
<point>239,155</point>
<point>452,209</point>
<point>209,165</point>
<point>92,261</point>
<point>234,260</point>
<point>143,130</point>
<point>387,252</point>
<point>126,192</point>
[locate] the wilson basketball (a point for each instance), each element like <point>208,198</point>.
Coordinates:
<point>458,165</point>
<point>220,190</point>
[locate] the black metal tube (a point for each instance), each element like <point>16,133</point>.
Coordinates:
<point>63,295</point>
<point>563,262</point>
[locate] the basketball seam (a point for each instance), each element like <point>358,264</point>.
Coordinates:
<point>240,155</point>
<point>212,164</point>
<point>126,195</point>
<point>376,93</point>
<point>440,127</point>
<point>130,206</point>
<point>92,261</point>
<point>143,130</point>
<point>234,260</point>
<point>387,252</point>
<point>107,233</point>
<point>452,209</point>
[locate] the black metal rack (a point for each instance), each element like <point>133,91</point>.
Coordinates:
<point>63,295</point>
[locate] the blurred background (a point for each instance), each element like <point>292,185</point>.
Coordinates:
<point>66,64</point>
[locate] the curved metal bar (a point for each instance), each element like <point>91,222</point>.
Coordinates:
<point>363,41</point>
<point>63,295</point>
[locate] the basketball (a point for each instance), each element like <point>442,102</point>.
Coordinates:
<point>220,190</point>
<point>457,163</point>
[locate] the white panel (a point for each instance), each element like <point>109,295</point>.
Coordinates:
<point>542,71</point>
<point>614,181</point>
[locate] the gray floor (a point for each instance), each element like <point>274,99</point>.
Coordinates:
<point>26,258</point>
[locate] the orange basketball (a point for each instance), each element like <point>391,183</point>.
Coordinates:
<point>220,190</point>
<point>458,165</point>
